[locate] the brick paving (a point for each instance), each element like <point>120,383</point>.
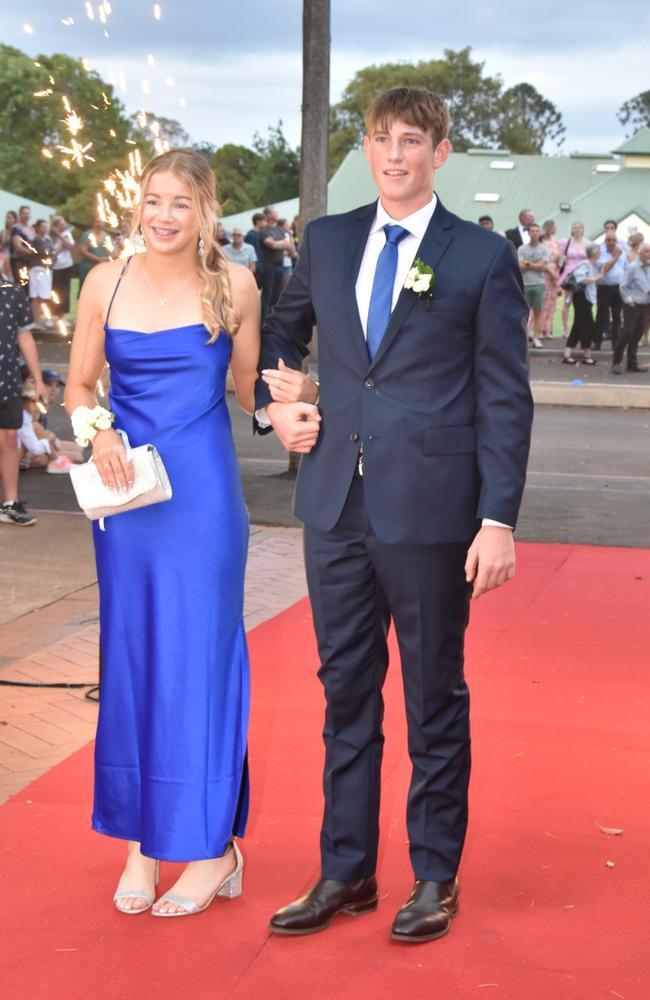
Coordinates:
<point>40,727</point>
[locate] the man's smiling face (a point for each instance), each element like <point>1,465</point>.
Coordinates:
<point>403,162</point>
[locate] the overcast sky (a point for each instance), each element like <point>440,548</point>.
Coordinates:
<point>236,67</point>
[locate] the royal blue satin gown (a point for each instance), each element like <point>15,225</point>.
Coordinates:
<point>170,759</point>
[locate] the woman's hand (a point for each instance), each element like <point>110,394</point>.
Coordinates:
<point>287,385</point>
<point>110,458</point>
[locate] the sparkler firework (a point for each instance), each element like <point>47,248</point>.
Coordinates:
<point>119,190</point>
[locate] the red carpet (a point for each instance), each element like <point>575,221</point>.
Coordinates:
<point>558,666</point>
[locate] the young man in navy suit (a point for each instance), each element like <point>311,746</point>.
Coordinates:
<point>412,473</point>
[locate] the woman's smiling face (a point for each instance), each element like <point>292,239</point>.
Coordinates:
<point>169,220</point>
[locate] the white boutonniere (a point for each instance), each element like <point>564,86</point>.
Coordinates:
<point>420,278</point>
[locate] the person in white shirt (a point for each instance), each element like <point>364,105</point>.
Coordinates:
<point>38,448</point>
<point>63,266</point>
<point>240,252</point>
<point>520,236</point>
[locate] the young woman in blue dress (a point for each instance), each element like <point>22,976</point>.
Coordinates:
<point>171,776</point>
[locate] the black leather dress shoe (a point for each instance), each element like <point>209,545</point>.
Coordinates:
<point>637,368</point>
<point>427,913</point>
<point>316,910</point>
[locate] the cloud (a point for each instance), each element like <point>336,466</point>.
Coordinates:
<point>239,69</point>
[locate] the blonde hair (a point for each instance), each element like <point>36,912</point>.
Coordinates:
<point>212,266</point>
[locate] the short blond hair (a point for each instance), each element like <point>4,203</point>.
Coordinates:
<point>413,105</point>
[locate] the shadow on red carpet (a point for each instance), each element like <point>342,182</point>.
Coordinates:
<point>551,906</point>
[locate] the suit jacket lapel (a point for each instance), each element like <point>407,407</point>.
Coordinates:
<point>438,235</point>
<point>359,233</point>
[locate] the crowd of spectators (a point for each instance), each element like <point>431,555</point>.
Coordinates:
<point>611,277</point>
<point>604,288</point>
<point>43,257</point>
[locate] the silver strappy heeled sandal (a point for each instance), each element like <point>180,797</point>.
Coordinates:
<point>136,894</point>
<point>230,888</point>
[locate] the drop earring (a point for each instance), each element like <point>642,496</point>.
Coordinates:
<point>201,245</point>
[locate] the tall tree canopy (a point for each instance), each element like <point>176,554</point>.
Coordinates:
<point>527,120</point>
<point>168,130</point>
<point>28,123</point>
<point>266,173</point>
<point>278,170</point>
<point>482,113</point>
<point>636,111</point>
<point>32,118</point>
<point>235,167</point>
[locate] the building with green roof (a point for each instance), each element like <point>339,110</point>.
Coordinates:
<point>9,201</point>
<point>582,186</point>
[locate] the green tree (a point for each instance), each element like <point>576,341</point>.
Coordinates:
<point>527,120</point>
<point>28,124</point>
<point>277,173</point>
<point>472,97</point>
<point>635,112</point>
<point>207,149</point>
<point>235,168</point>
<point>480,110</point>
<point>169,130</point>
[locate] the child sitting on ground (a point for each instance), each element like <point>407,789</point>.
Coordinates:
<point>38,448</point>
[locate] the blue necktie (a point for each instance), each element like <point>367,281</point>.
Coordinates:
<point>381,297</point>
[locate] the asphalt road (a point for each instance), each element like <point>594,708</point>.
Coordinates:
<point>588,480</point>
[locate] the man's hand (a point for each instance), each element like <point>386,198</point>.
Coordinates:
<point>296,424</point>
<point>490,560</point>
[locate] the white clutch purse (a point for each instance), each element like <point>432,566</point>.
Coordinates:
<point>150,484</point>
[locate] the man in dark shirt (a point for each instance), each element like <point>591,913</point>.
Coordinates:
<point>275,243</point>
<point>15,336</point>
<point>254,237</point>
<point>22,235</point>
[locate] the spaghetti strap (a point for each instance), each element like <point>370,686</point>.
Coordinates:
<point>110,304</point>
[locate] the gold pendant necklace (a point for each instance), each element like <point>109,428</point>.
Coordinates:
<point>163,302</point>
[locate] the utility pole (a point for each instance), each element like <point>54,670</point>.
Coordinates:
<point>315,109</point>
<point>315,126</point>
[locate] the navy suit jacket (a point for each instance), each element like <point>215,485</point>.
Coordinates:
<point>444,410</point>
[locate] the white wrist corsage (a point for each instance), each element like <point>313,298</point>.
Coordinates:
<point>86,421</point>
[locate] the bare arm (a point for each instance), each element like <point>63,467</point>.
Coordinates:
<point>85,251</point>
<point>276,244</point>
<point>22,247</point>
<point>87,361</point>
<point>87,358</point>
<point>246,342</point>
<point>27,348</point>
<point>609,264</point>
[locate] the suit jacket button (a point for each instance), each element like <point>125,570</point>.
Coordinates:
<point>369,383</point>
<point>354,436</point>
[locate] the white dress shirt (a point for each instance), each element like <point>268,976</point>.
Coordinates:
<point>525,235</point>
<point>27,438</point>
<point>407,251</point>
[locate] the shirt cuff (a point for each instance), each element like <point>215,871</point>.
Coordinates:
<point>488,522</point>
<point>262,417</point>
